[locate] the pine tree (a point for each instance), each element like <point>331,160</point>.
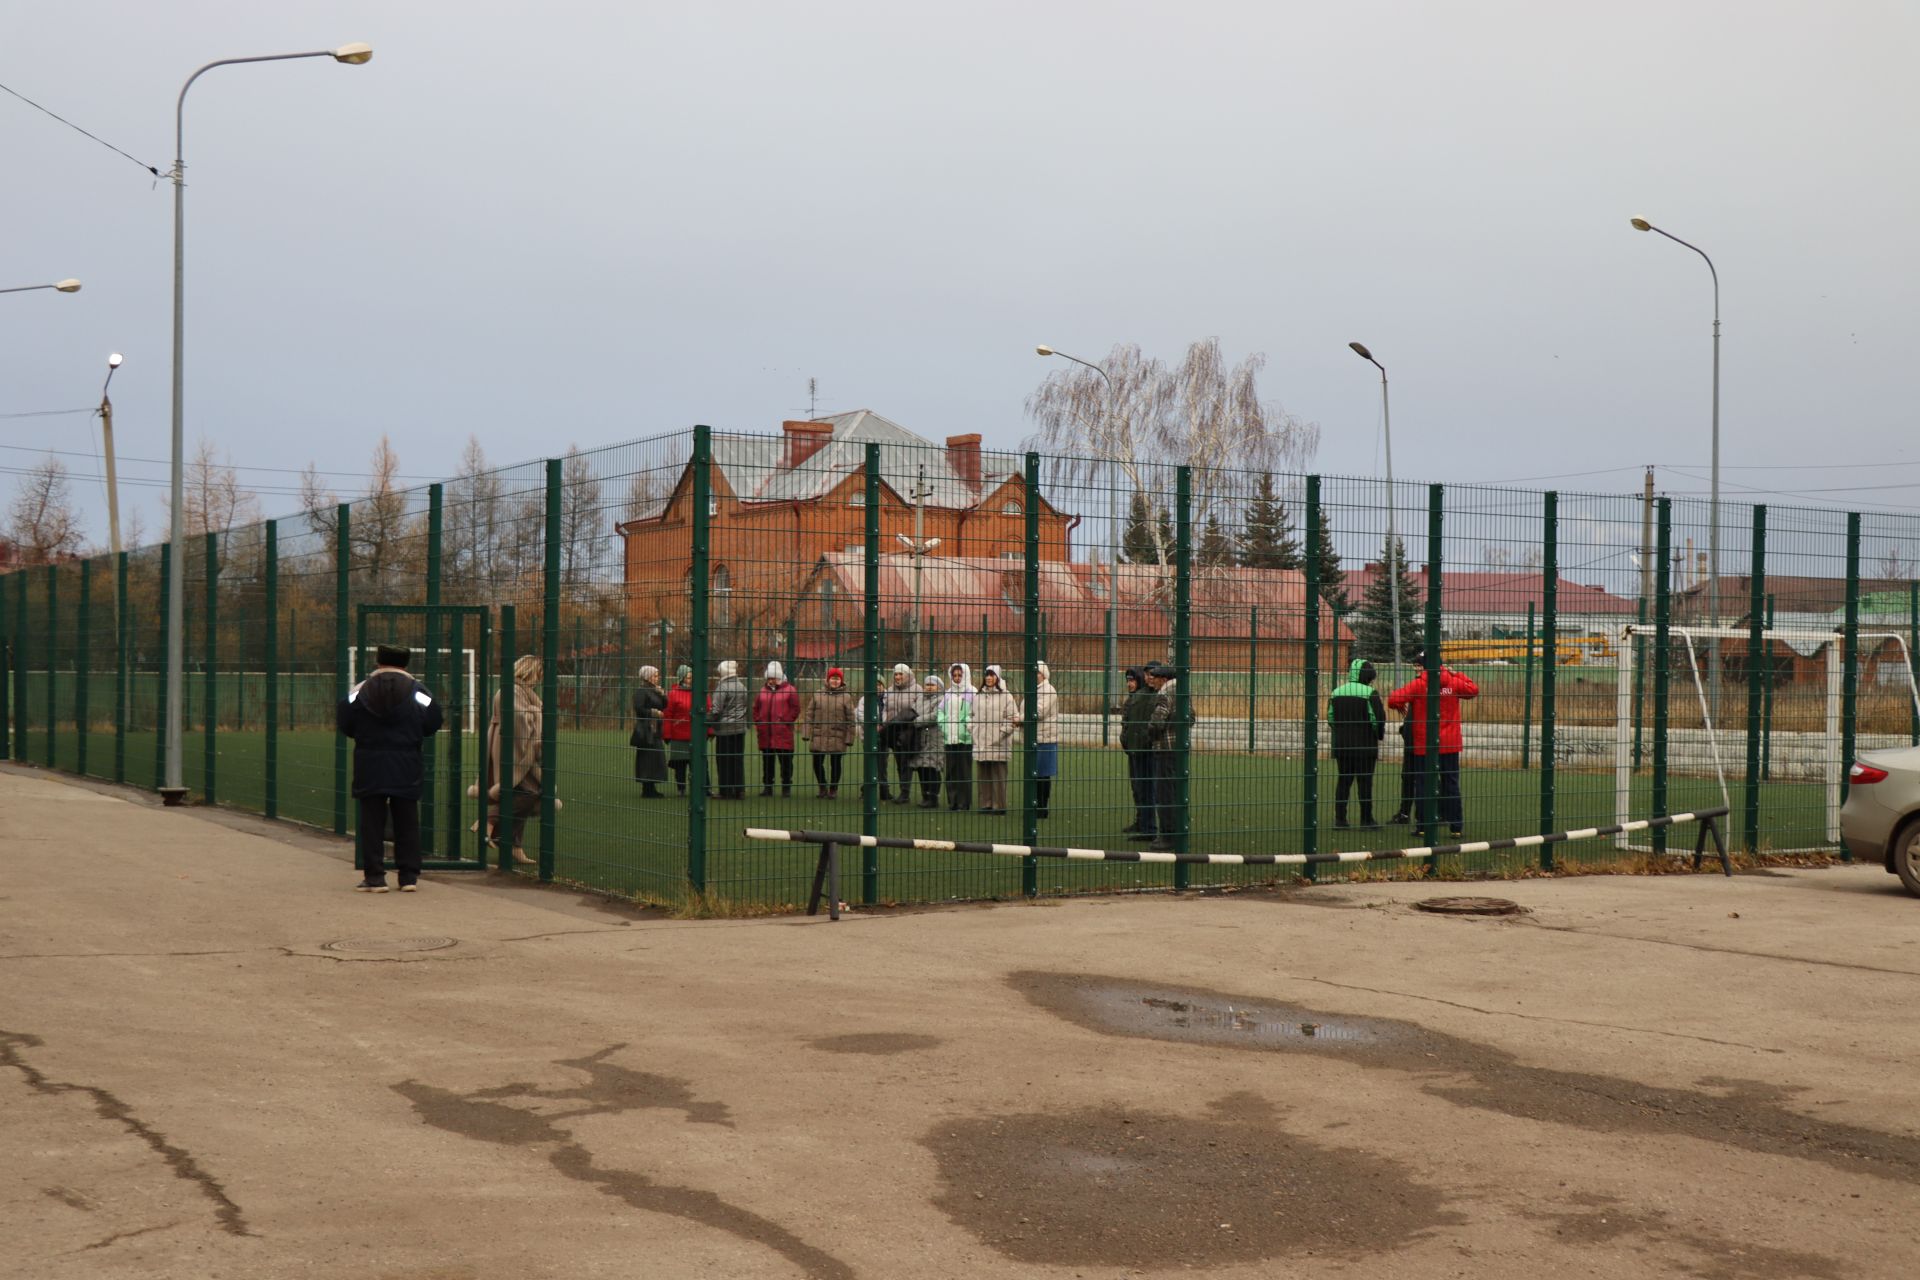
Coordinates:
<point>1333,587</point>
<point>1216,548</point>
<point>1266,540</point>
<point>1137,544</point>
<point>1373,622</point>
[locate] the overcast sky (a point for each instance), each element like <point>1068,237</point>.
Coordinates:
<point>589,222</point>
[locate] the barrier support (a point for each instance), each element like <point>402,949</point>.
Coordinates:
<point>827,872</point>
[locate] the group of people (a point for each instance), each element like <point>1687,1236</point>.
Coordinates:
<point>1359,725</point>
<point>933,731</point>
<point>943,736</point>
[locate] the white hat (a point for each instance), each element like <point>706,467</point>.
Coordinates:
<point>776,672</point>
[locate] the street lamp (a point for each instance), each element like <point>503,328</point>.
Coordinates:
<point>174,790</point>
<point>106,440</point>
<point>1713,504</point>
<point>919,548</point>
<point>1113,544</point>
<point>1393,538</point>
<point>61,286</point>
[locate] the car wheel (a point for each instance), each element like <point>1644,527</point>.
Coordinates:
<point>1906,857</point>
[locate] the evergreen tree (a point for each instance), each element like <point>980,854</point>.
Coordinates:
<point>1137,544</point>
<point>1266,540</point>
<point>1373,622</point>
<point>1216,548</point>
<point>1333,587</point>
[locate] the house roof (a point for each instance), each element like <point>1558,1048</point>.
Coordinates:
<point>1789,591</point>
<point>1510,593</point>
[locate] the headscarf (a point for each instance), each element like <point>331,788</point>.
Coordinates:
<point>933,683</point>
<point>683,674</point>
<point>776,672</point>
<point>1042,673</point>
<point>965,683</point>
<point>650,674</point>
<point>729,668</point>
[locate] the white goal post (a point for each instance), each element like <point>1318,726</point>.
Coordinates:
<point>1801,641</point>
<point>464,661</point>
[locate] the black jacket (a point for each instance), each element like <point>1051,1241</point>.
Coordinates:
<point>649,705</point>
<point>1356,714</point>
<point>1136,713</point>
<point>388,716</point>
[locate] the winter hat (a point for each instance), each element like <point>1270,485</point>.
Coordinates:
<point>729,668</point>
<point>993,669</point>
<point>393,655</point>
<point>835,671</point>
<point>902,669</point>
<point>776,672</point>
<point>932,682</point>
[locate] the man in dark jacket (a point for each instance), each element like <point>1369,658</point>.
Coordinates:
<point>388,716</point>
<point>1163,742</point>
<point>1134,714</point>
<point>1358,722</point>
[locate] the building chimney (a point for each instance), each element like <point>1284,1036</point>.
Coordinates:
<point>804,439</point>
<point>963,455</point>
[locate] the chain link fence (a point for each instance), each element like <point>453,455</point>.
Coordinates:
<point>846,627</point>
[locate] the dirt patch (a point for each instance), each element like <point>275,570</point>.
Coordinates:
<point>522,1115</point>
<point>1109,1186</point>
<point>1746,1114</point>
<point>1652,1232</point>
<point>877,1043</point>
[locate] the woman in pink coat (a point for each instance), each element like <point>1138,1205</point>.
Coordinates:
<point>775,709</point>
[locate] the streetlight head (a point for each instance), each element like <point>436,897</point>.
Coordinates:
<point>1360,349</point>
<point>113,361</point>
<point>1641,224</point>
<point>353,54</point>
<point>1043,350</point>
<point>932,543</point>
<point>905,541</point>
<point>68,286</point>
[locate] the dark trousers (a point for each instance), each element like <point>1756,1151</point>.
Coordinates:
<point>767,757</point>
<point>526,803</point>
<point>959,775</point>
<point>1166,792</point>
<point>929,787</point>
<point>730,763</point>
<point>902,769</point>
<point>831,765</point>
<point>405,814</point>
<point>1448,769</point>
<point>1356,765</point>
<point>1140,777</point>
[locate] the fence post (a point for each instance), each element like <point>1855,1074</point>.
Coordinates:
<point>1756,603</point>
<point>9,638</point>
<point>1639,679</point>
<point>210,677</point>
<point>121,676</point>
<point>1662,663</point>
<point>159,724</point>
<point>82,659</point>
<point>870,691</point>
<point>1550,666</point>
<point>1526,698</point>
<point>508,696</point>
<point>1030,725</point>
<point>1913,643</point>
<point>701,568</point>
<point>1850,669</point>
<point>1766,716</point>
<point>579,664</point>
<point>272,668</point>
<point>1430,759</point>
<point>1253,671</point>
<point>550,667</point>
<point>436,525</point>
<point>1310,690</point>
<point>342,563</point>
<point>53,654</point>
<point>1183,666</point>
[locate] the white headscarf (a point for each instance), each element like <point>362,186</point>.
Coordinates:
<point>775,671</point>
<point>729,668</point>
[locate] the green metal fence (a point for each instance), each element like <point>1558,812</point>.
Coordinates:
<point>1611,673</point>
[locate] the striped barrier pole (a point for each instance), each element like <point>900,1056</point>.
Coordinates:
<point>830,842</point>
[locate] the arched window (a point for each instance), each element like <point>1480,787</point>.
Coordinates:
<point>722,612</point>
<point>1012,508</point>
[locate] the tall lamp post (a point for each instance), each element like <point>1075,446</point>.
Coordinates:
<point>919,545</point>
<point>1113,541</point>
<point>106,441</point>
<point>174,789</point>
<point>1713,504</point>
<point>1393,538</point>
<point>60,286</point>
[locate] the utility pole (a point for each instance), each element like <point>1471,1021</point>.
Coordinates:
<point>919,546</point>
<point>1646,540</point>
<point>113,484</point>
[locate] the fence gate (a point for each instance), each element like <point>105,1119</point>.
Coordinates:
<point>453,656</point>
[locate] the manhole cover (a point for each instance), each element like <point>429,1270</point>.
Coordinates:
<point>1470,906</point>
<point>388,946</point>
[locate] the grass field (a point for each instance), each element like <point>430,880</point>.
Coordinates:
<point>609,837</point>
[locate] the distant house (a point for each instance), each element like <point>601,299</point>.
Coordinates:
<point>1494,604</point>
<point>780,503</point>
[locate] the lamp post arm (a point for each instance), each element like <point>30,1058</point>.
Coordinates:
<point>180,105</point>
<point>1711,269</point>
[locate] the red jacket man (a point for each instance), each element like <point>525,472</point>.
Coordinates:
<point>1412,698</point>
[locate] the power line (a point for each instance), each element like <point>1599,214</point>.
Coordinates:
<point>41,413</point>
<point>232,466</point>
<point>77,129</point>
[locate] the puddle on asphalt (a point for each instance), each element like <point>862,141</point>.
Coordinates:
<point>1751,1115</point>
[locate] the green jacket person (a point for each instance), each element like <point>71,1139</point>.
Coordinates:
<point>1358,721</point>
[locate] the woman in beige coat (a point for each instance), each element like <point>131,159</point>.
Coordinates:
<point>525,781</point>
<point>996,718</point>
<point>827,725</point>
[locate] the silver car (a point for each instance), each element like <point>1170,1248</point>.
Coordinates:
<point>1880,821</point>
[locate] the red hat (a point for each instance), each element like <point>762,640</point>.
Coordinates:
<point>835,671</point>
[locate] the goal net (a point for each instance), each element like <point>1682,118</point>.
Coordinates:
<point>462,665</point>
<point>1716,749</point>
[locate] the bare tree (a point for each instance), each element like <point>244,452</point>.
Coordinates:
<point>214,501</point>
<point>379,524</point>
<point>320,505</point>
<point>1896,564</point>
<point>470,538</point>
<point>1500,556</point>
<point>579,519</point>
<point>42,520</point>
<point>1200,413</point>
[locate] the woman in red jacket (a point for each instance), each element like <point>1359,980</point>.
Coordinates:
<point>1412,699</point>
<point>775,708</point>
<point>677,728</point>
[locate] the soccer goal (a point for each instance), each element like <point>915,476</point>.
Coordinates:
<point>461,664</point>
<point>1722,747</point>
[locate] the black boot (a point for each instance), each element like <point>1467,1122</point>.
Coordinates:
<point>1339,815</point>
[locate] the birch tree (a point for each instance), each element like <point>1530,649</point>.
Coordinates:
<point>41,520</point>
